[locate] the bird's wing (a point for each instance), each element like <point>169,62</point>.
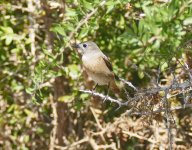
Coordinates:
<point>98,65</point>
<point>109,66</point>
<point>107,62</point>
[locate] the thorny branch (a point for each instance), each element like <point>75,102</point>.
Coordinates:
<point>162,110</point>
<point>168,118</point>
<point>143,95</point>
<point>102,131</point>
<point>86,139</point>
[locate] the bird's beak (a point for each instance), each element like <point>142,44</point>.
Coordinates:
<point>78,48</point>
<point>75,46</point>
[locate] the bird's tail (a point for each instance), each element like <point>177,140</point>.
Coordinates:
<point>114,87</point>
<point>117,78</point>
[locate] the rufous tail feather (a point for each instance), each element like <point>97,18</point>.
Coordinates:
<point>114,87</point>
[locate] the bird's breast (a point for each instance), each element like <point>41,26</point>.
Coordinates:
<point>96,69</point>
<point>95,63</point>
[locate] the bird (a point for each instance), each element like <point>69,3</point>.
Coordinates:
<point>97,65</point>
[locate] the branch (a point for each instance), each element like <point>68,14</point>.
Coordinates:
<point>139,137</point>
<point>162,110</point>
<point>55,124</point>
<point>128,83</point>
<point>85,19</point>
<point>15,7</point>
<point>32,22</point>
<point>141,94</point>
<point>174,86</point>
<point>105,97</point>
<point>99,147</point>
<point>81,23</point>
<point>86,139</point>
<point>168,119</point>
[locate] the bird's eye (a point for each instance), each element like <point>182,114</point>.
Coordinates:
<point>84,45</point>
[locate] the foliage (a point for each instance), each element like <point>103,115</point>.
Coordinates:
<point>35,50</point>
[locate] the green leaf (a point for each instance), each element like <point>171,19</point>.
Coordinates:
<point>84,96</point>
<point>7,30</point>
<point>48,53</point>
<point>71,12</point>
<point>26,139</point>
<point>110,5</point>
<point>39,130</point>
<point>29,90</point>
<point>73,71</point>
<point>164,66</point>
<point>66,98</point>
<point>59,29</point>
<point>8,39</point>
<point>87,5</point>
<point>187,21</point>
<point>83,32</point>
<point>29,113</point>
<point>141,74</point>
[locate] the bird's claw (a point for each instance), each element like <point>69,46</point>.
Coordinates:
<point>106,97</point>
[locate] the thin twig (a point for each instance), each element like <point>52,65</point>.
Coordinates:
<point>86,18</point>
<point>96,119</point>
<point>86,139</point>
<point>98,123</point>
<point>15,7</point>
<point>99,147</point>
<point>162,110</point>
<point>54,130</point>
<point>128,83</point>
<point>139,137</point>
<point>32,21</point>
<point>168,120</point>
<point>80,24</point>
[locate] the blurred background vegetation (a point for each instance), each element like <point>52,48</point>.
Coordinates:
<point>41,75</point>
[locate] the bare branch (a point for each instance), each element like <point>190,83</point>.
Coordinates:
<point>128,83</point>
<point>162,110</point>
<point>142,94</point>
<point>32,22</point>
<point>86,139</point>
<point>105,97</point>
<point>54,130</point>
<point>168,119</point>
<point>139,137</point>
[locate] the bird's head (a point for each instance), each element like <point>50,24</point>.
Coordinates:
<point>86,47</point>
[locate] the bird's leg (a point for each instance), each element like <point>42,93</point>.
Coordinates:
<point>94,88</point>
<point>108,86</point>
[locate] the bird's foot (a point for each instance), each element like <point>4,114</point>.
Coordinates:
<point>92,92</point>
<point>105,98</point>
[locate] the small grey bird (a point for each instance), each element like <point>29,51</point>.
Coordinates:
<point>97,65</point>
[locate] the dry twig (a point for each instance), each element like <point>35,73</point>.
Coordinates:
<point>54,130</point>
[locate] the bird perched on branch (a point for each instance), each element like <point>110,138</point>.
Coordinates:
<point>97,65</point>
